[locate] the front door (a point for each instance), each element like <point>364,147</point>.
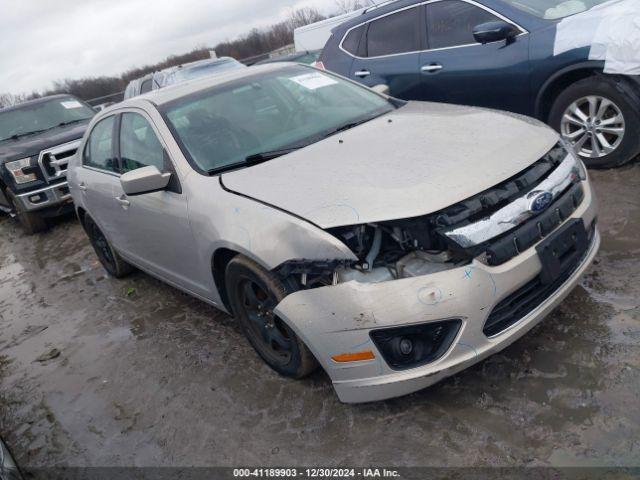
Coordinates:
<point>457,69</point>
<point>152,229</point>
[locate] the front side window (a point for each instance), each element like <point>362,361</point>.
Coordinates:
<point>221,127</point>
<point>139,145</point>
<point>450,23</point>
<point>395,33</point>
<point>41,116</point>
<point>98,152</point>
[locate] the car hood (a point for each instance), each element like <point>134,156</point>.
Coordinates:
<point>413,161</point>
<point>33,144</point>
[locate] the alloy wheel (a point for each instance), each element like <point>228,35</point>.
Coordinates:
<point>594,125</point>
<point>275,339</point>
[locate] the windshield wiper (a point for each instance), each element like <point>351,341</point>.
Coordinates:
<point>265,156</point>
<point>16,136</point>
<point>349,126</point>
<point>33,132</point>
<point>70,122</point>
<point>255,159</point>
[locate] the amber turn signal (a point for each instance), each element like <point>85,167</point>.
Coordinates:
<point>353,357</point>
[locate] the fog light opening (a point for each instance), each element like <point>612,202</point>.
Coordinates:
<point>406,346</point>
<point>37,198</point>
<point>415,345</point>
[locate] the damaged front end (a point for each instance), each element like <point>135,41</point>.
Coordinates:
<point>494,226</point>
<point>426,297</point>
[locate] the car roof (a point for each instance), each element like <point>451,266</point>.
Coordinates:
<point>178,90</point>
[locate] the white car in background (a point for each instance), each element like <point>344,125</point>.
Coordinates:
<point>180,73</point>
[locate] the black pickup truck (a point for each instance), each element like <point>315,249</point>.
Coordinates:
<point>37,139</point>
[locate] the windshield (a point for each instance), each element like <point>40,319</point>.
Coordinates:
<point>222,127</point>
<point>42,116</point>
<point>555,9</point>
<point>190,73</point>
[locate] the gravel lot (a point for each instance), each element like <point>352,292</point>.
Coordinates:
<point>96,371</point>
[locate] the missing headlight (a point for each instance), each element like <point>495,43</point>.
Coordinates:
<point>396,249</point>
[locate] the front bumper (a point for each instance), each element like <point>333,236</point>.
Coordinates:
<point>337,319</point>
<point>57,195</point>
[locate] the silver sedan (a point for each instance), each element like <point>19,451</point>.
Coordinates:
<point>392,243</point>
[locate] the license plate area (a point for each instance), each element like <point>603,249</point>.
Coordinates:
<point>562,251</point>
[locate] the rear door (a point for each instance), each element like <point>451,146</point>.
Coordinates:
<point>457,69</point>
<point>99,177</point>
<point>389,52</point>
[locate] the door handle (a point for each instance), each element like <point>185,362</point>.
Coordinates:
<point>434,67</point>
<point>362,73</point>
<point>122,200</point>
<point>82,187</point>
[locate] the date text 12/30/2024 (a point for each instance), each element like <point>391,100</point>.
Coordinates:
<point>318,473</point>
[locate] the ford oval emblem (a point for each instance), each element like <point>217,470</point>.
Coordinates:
<point>540,201</point>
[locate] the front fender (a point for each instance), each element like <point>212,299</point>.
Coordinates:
<point>267,235</point>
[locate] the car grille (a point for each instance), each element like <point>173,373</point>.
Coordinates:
<point>54,161</point>
<point>500,246</point>
<point>530,296</point>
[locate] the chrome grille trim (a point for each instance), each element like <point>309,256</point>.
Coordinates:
<point>49,158</point>
<point>518,211</point>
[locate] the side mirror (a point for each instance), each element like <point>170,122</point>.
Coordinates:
<point>144,180</point>
<point>495,32</point>
<point>382,88</point>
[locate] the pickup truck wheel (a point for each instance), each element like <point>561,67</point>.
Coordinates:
<point>599,121</point>
<point>110,259</point>
<point>253,293</point>
<point>31,222</point>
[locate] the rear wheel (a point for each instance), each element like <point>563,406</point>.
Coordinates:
<point>110,259</point>
<point>599,121</point>
<point>31,222</point>
<point>253,294</point>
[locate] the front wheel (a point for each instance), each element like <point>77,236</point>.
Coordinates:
<point>254,293</point>
<point>599,121</point>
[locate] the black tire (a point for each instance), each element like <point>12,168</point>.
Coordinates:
<point>269,335</point>
<point>31,222</point>
<point>110,259</point>
<point>606,88</point>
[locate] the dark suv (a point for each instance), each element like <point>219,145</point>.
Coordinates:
<point>37,139</point>
<point>542,58</point>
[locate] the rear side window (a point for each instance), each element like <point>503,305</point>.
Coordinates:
<point>139,145</point>
<point>395,33</point>
<point>450,23</point>
<point>352,40</point>
<point>99,152</point>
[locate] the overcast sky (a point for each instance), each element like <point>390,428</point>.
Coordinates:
<point>47,40</point>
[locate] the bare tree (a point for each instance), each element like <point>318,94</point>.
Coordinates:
<point>304,16</point>
<point>9,99</point>
<point>347,6</point>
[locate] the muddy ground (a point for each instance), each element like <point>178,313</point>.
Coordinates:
<point>100,372</point>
